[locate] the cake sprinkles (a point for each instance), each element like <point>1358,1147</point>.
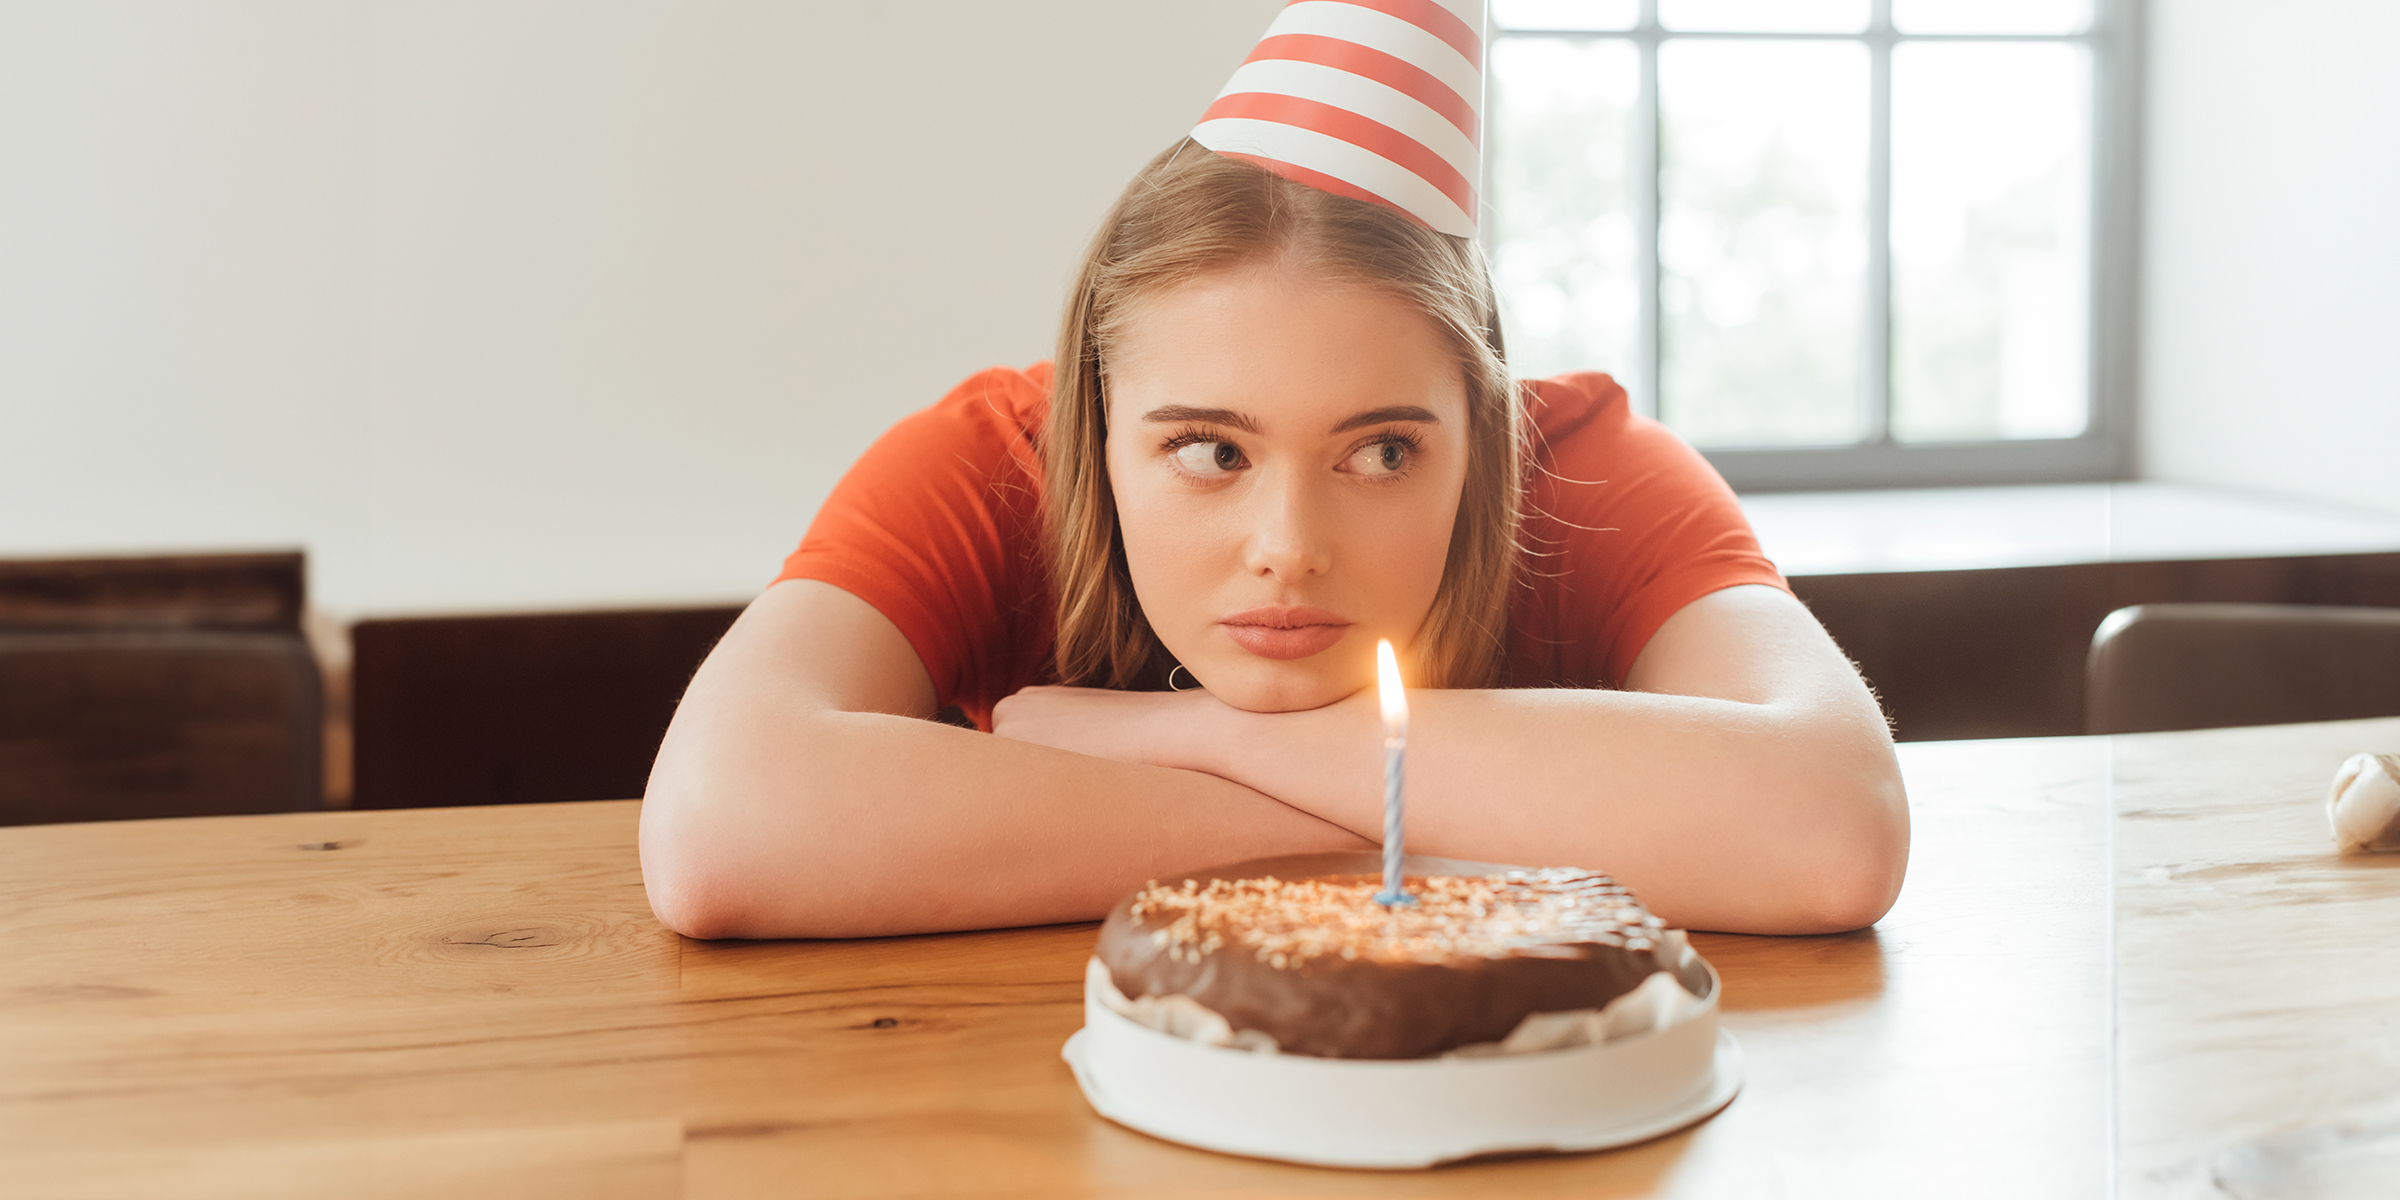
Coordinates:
<point>1297,956</point>
<point>1288,922</point>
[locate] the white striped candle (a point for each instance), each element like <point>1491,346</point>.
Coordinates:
<point>1395,748</point>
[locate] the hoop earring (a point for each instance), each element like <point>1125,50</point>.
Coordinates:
<point>1171,678</point>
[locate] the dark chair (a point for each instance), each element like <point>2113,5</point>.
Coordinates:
<point>2204,666</point>
<point>516,709</point>
<point>156,687</point>
<point>263,592</point>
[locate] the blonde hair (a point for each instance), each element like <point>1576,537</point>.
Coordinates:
<point>1192,212</point>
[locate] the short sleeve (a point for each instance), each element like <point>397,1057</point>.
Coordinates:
<point>937,526</point>
<point>1625,524</point>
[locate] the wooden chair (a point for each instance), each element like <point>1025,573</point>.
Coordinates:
<point>515,709</point>
<point>263,592</point>
<point>2202,666</point>
<point>156,687</point>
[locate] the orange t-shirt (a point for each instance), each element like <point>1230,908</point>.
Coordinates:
<point>939,527</point>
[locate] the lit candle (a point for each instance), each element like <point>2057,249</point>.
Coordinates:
<point>1395,746</point>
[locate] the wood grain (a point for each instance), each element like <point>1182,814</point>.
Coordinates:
<point>2258,971</point>
<point>626,1160</point>
<point>189,1004</point>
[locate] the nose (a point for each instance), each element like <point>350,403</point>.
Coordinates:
<point>1287,536</point>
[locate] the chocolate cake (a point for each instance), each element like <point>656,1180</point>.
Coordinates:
<point>1295,950</point>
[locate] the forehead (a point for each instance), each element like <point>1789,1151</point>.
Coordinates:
<point>1283,348</point>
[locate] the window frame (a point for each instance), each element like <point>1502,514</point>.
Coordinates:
<point>2105,450</point>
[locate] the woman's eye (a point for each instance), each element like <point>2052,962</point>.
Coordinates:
<point>1208,458</point>
<point>1382,458</point>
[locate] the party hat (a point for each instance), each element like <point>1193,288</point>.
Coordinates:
<point>1378,100</point>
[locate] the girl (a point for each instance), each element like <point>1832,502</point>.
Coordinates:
<point>1278,428</point>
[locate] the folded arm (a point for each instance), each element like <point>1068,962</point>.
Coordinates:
<point>801,792</point>
<point>1743,781</point>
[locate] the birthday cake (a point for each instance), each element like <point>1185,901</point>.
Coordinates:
<point>1294,955</point>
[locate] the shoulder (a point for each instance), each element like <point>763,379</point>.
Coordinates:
<point>937,526</point>
<point>1586,446</point>
<point>1590,453</point>
<point>976,447</point>
<point>1565,405</point>
<point>1016,395</point>
<point>970,460</point>
<point>1625,523</point>
<point>1007,405</point>
<point>1583,422</point>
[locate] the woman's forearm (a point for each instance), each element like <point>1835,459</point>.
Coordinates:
<point>1723,815</point>
<point>828,823</point>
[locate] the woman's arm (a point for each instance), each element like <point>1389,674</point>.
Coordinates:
<point>801,793</point>
<point>1744,781</point>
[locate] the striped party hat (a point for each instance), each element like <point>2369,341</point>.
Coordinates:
<point>1378,100</point>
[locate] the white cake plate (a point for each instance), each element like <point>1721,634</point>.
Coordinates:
<point>1347,1112</point>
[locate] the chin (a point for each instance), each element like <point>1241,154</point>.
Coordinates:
<point>1264,686</point>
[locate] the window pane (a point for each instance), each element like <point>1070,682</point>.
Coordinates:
<point>1765,16</point>
<point>1562,218</point>
<point>1762,240</point>
<point>1992,16</point>
<point>1566,14</point>
<point>1990,259</point>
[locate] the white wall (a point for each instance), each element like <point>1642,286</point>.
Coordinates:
<point>499,304</point>
<point>2271,355</point>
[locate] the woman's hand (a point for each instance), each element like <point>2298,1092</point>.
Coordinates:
<point>1192,730</point>
<point>801,792</point>
<point>1160,729</point>
<point>1743,780</point>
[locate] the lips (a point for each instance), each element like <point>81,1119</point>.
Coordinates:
<point>1285,631</point>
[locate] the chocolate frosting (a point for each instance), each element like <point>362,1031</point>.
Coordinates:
<point>1297,949</point>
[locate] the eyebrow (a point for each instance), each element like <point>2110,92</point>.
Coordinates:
<point>1174,414</point>
<point>1387,415</point>
<point>1185,413</point>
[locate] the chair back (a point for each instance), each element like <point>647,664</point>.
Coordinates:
<point>520,708</point>
<point>156,687</point>
<point>179,591</point>
<point>2205,666</point>
<point>117,724</point>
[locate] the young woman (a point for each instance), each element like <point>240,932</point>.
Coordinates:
<point>1279,428</point>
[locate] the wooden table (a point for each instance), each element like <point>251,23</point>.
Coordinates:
<point>478,1002</point>
<point>2258,975</point>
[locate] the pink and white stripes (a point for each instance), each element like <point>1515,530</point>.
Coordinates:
<point>1379,100</point>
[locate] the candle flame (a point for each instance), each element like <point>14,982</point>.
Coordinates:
<point>1387,678</point>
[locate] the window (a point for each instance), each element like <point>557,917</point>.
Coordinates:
<point>1831,242</point>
